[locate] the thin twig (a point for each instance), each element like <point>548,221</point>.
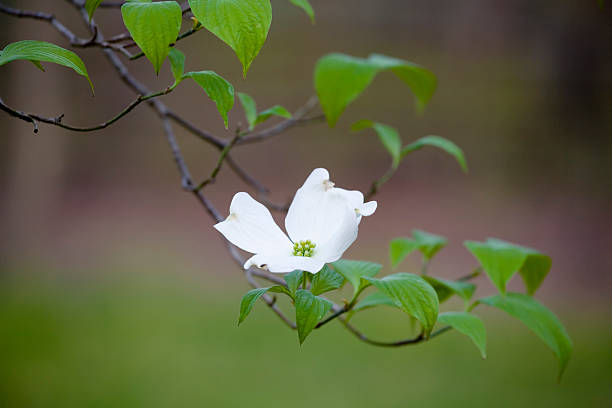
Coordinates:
<point>57,121</point>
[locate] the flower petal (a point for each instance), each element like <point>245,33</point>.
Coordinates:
<point>282,262</point>
<point>316,211</point>
<point>332,249</point>
<point>355,200</point>
<point>250,227</point>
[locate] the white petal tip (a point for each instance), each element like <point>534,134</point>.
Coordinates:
<point>368,208</point>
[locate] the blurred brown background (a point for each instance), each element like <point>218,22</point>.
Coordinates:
<point>525,88</point>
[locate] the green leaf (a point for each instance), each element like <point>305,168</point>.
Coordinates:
<point>353,271</point>
<point>91,6</point>
<point>400,248</point>
<point>294,280</point>
<point>241,24</point>
<point>305,5</point>
<point>177,64</point>
<point>326,280</point>
<point>499,260</point>
<point>373,300</point>
<point>309,310</point>
<point>387,135</point>
<point>37,51</point>
<point>413,295</point>
<point>534,270</point>
<point>441,143</point>
<point>539,319</point>
<point>340,79</point>
<point>249,299</point>
<point>421,81</point>
<point>153,26</point>
<point>536,266</point>
<point>249,107</point>
<point>446,288</point>
<point>276,110</point>
<point>217,89</point>
<point>468,324</point>
<point>429,244</point>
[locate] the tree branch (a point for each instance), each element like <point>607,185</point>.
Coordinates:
<point>57,121</point>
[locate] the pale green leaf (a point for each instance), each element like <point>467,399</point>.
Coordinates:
<point>400,248</point>
<point>294,280</point>
<point>153,26</point>
<point>340,79</point>
<point>535,268</point>
<point>275,110</point>
<point>354,271</point>
<point>446,288</point>
<point>441,143</point>
<point>421,81</point>
<point>250,108</point>
<point>249,299</point>
<point>91,6</point>
<point>37,51</point>
<point>429,244</point>
<point>499,261</point>
<point>177,64</point>
<point>241,24</point>
<point>325,280</point>
<point>373,300</point>
<point>309,310</point>
<point>387,135</point>
<point>305,5</point>
<point>413,295</point>
<point>468,324</point>
<point>217,89</point>
<point>539,319</point>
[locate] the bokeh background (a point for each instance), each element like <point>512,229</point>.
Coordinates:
<point>116,291</point>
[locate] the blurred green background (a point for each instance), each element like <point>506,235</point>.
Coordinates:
<point>116,291</point>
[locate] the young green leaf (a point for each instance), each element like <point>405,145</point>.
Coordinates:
<point>413,295</point>
<point>539,319</point>
<point>275,110</point>
<point>241,24</point>
<point>536,266</point>
<point>373,300</point>
<point>326,280</point>
<point>534,270</point>
<point>294,280</point>
<point>177,64</point>
<point>468,324</point>
<point>217,89</point>
<point>305,5</point>
<point>387,135</point>
<point>309,310</point>
<point>91,6</point>
<point>400,248</point>
<point>249,299</point>
<point>353,271</point>
<point>441,143</point>
<point>37,51</point>
<point>499,260</point>
<point>429,244</point>
<point>153,26</point>
<point>249,107</point>
<point>420,80</point>
<point>340,79</point>
<point>446,288</point>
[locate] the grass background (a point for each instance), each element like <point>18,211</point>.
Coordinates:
<point>142,339</point>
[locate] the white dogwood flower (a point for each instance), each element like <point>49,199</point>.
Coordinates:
<point>322,222</point>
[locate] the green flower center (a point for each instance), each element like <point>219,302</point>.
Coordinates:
<point>304,248</point>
